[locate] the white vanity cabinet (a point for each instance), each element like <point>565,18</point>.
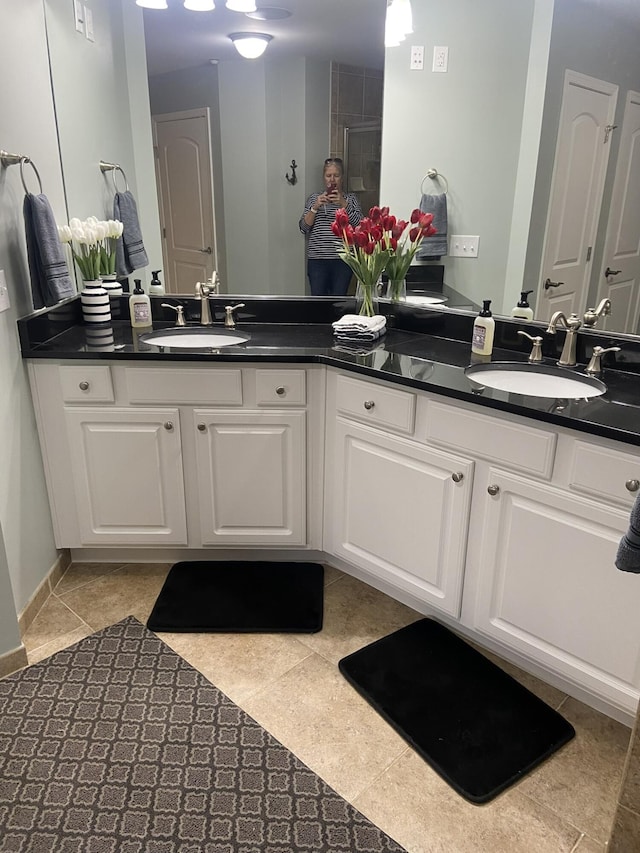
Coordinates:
<point>519,553</point>
<point>195,455</point>
<point>394,507</point>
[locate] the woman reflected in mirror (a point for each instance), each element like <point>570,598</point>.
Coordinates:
<point>327,272</point>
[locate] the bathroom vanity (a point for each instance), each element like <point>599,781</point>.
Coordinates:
<point>498,513</point>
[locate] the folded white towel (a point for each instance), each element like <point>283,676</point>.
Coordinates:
<point>357,323</point>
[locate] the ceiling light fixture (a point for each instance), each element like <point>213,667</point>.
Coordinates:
<point>241,5</point>
<point>199,5</point>
<point>250,45</point>
<point>152,4</point>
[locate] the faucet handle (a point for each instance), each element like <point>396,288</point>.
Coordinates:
<point>536,350</point>
<point>594,366</point>
<point>180,321</point>
<point>229,319</point>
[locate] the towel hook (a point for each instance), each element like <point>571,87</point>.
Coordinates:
<point>293,179</point>
<point>114,168</point>
<point>435,176</point>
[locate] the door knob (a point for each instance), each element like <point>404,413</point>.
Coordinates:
<point>168,426</point>
<point>457,477</point>
<point>609,272</point>
<point>632,485</point>
<point>202,427</point>
<point>84,385</point>
<point>281,390</point>
<point>548,283</point>
<point>493,490</point>
<point>369,404</point>
<point>207,251</point>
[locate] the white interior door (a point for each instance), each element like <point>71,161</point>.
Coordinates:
<point>185,195</point>
<point>621,258</point>
<point>582,153</point>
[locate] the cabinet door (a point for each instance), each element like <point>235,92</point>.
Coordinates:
<point>251,477</point>
<point>127,474</point>
<point>547,586</point>
<point>401,511</point>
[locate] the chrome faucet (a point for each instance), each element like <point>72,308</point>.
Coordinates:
<point>202,293</point>
<point>591,315</point>
<point>572,324</point>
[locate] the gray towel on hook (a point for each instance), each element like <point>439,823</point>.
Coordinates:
<point>628,556</point>
<point>435,246</point>
<point>130,251</point>
<point>48,268</point>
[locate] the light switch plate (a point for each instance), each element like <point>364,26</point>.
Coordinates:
<point>417,57</point>
<point>4,293</point>
<point>78,11</point>
<point>463,246</point>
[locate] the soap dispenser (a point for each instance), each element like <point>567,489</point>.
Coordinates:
<point>156,288</point>
<point>139,306</point>
<point>483,331</point>
<point>523,310</point>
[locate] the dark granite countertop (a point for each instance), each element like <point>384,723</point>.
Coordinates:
<point>424,349</point>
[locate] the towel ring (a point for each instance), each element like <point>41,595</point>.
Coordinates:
<point>24,160</point>
<point>113,168</point>
<point>435,176</point>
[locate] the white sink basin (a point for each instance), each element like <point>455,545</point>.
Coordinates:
<point>535,380</point>
<point>195,338</point>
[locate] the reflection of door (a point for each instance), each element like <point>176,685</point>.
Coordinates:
<point>622,243</point>
<point>185,195</point>
<point>362,147</point>
<point>582,152</point>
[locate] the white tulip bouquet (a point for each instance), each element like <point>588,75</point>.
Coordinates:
<point>93,245</point>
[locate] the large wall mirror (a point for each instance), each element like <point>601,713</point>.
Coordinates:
<point>489,125</point>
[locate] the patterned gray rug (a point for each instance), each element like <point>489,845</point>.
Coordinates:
<point>117,745</point>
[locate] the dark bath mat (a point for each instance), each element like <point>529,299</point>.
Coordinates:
<point>475,725</point>
<point>201,596</point>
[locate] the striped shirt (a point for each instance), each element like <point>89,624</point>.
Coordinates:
<point>322,243</point>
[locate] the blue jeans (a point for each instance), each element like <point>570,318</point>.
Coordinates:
<point>328,277</point>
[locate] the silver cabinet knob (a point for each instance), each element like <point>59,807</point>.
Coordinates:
<point>493,490</point>
<point>369,404</point>
<point>632,485</point>
<point>84,385</point>
<point>281,390</point>
<point>202,427</point>
<point>168,426</point>
<point>457,476</point>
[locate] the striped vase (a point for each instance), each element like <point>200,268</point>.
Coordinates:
<point>95,303</point>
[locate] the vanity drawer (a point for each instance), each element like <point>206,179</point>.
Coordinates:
<point>376,404</point>
<point>603,474</point>
<point>280,387</point>
<point>149,385</point>
<point>90,384</point>
<point>517,446</point>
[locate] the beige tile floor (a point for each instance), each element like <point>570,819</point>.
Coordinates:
<point>292,686</point>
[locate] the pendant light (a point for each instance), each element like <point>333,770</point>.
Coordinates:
<point>199,5</point>
<point>250,45</point>
<point>241,5</point>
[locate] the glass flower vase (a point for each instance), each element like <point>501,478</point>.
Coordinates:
<point>397,290</point>
<point>366,299</point>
